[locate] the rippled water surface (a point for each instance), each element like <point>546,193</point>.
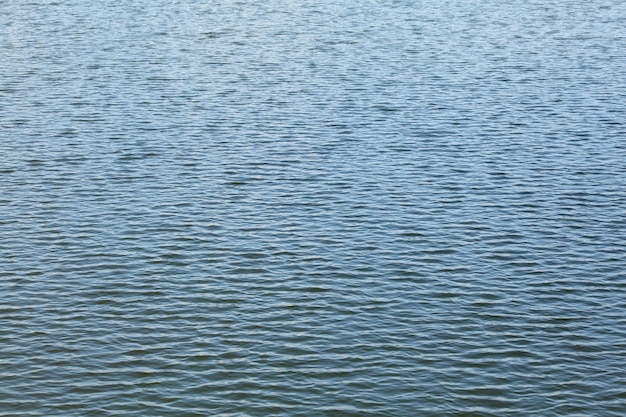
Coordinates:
<point>312,208</point>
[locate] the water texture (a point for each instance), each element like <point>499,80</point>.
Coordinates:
<point>312,208</point>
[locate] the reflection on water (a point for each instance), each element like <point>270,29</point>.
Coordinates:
<point>390,208</point>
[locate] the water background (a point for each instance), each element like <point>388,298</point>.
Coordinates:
<point>312,208</point>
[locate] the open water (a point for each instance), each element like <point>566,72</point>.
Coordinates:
<point>312,208</point>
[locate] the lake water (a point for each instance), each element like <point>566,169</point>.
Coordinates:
<point>312,208</point>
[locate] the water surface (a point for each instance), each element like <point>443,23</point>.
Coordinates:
<point>298,208</point>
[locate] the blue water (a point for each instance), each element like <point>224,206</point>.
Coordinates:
<point>299,208</point>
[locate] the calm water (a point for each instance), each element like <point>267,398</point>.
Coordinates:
<point>312,208</point>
